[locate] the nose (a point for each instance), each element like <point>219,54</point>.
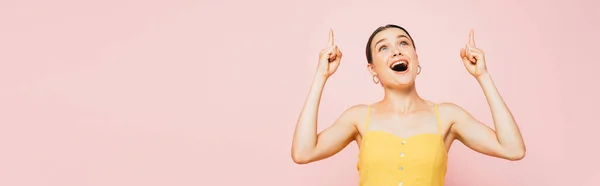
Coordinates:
<point>396,52</point>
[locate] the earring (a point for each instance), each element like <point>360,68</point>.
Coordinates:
<point>419,71</point>
<point>375,79</point>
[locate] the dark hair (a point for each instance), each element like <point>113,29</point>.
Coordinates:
<point>382,28</point>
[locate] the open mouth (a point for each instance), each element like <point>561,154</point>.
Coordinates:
<point>399,66</point>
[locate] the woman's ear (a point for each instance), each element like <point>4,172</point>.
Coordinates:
<point>371,69</point>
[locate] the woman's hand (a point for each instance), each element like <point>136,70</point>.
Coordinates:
<point>329,58</point>
<point>473,58</point>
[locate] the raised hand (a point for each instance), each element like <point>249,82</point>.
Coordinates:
<point>329,58</point>
<point>473,58</point>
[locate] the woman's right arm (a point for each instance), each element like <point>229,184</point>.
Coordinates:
<point>307,145</point>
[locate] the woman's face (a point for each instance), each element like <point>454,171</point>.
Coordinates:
<point>389,47</point>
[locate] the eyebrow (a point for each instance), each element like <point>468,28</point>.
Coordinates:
<point>399,36</point>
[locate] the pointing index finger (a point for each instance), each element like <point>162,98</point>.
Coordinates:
<point>471,38</point>
<point>330,41</point>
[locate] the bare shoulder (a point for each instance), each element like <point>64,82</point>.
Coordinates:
<point>355,112</point>
<point>450,109</point>
<point>453,114</point>
<point>354,115</point>
<point>358,107</point>
<point>450,113</point>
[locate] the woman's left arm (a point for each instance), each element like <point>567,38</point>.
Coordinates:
<point>505,141</point>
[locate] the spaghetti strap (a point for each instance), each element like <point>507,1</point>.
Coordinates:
<point>368,117</point>
<point>439,121</point>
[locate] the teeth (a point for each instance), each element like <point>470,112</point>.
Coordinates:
<point>398,63</point>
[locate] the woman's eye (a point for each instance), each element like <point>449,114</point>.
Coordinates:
<point>403,43</point>
<point>382,48</point>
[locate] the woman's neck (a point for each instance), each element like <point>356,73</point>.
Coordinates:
<point>402,100</point>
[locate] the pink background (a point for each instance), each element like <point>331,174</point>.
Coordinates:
<point>151,93</point>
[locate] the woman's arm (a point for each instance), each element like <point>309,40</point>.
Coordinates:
<point>307,145</point>
<point>504,142</point>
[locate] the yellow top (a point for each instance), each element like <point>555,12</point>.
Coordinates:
<point>387,159</point>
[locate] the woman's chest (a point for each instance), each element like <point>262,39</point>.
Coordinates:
<point>385,148</point>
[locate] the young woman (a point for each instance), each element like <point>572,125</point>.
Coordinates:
<point>403,139</point>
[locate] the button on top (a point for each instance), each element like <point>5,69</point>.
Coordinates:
<point>401,154</point>
<point>403,142</point>
<point>401,168</point>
